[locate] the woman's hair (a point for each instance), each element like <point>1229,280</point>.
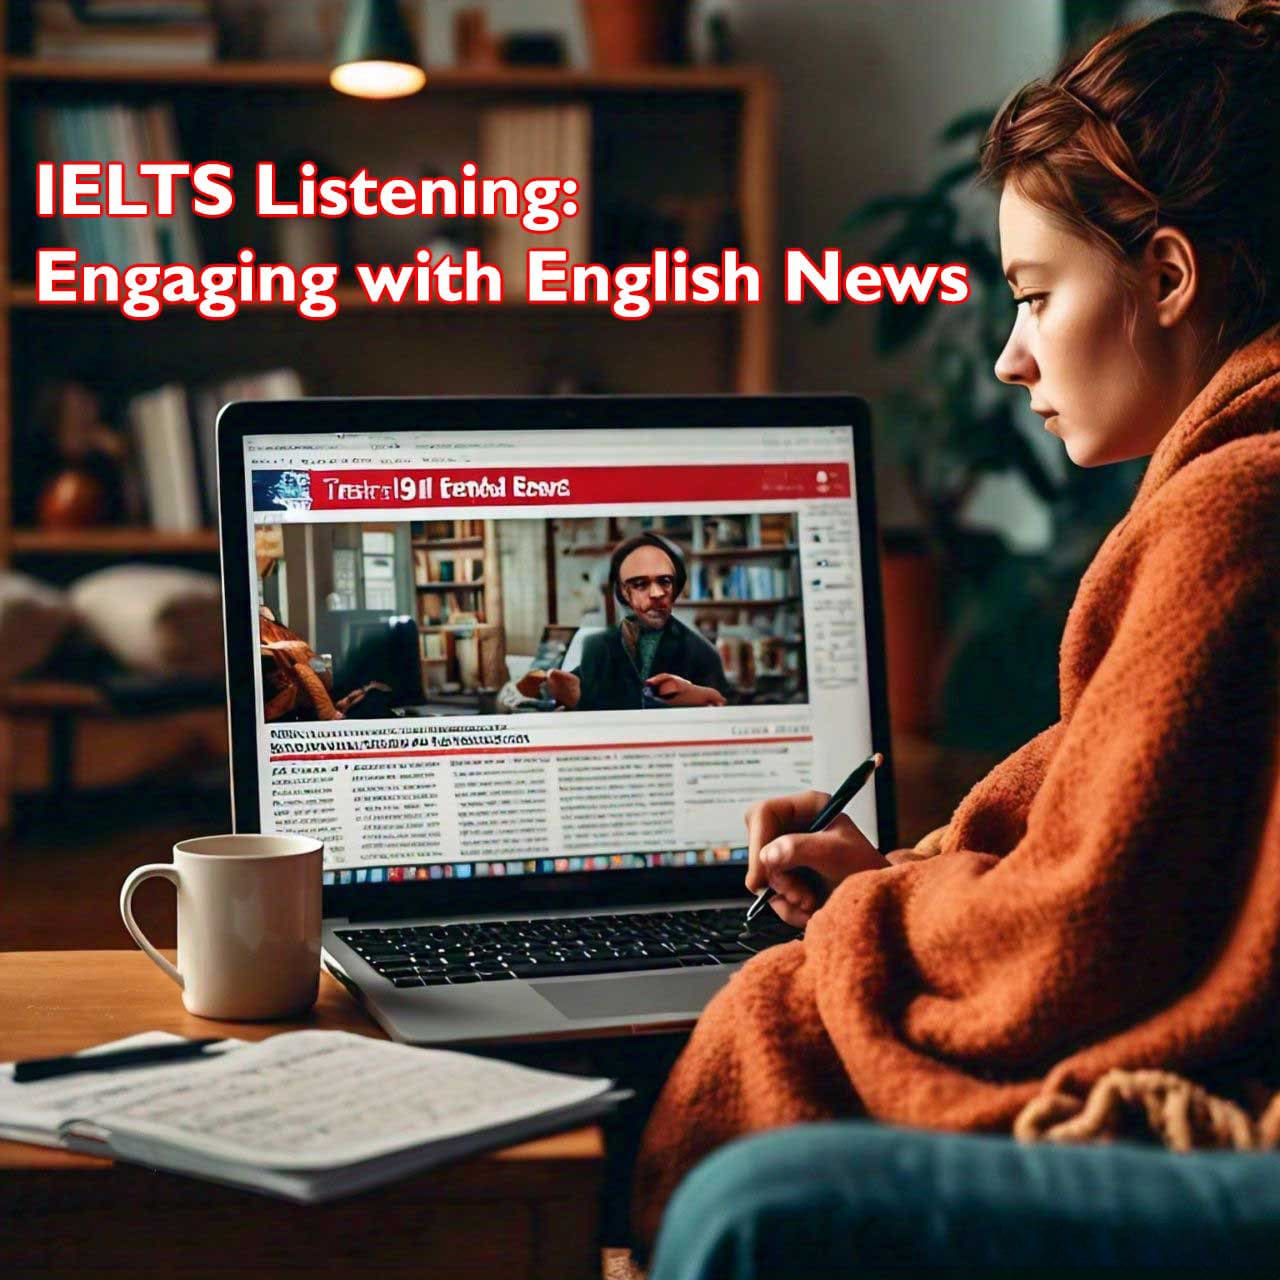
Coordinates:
<point>1173,122</point>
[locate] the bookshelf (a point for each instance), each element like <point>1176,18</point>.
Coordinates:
<point>458,584</point>
<point>678,350</point>
<point>709,132</point>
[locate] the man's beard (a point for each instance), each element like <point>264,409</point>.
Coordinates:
<point>653,620</point>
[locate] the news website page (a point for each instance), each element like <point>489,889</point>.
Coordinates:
<point>491,653</point>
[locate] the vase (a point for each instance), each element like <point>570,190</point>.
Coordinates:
<point>623,34</point>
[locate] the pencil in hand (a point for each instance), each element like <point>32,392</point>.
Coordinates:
<point>834,807</point>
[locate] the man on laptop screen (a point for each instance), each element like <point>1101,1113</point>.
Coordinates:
<point>651,658</point>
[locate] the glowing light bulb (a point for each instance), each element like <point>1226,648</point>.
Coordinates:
<point>377,79</point>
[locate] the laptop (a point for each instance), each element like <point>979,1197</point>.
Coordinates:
<point>517,851</point>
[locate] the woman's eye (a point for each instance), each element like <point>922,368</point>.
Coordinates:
<point>1032,298</point>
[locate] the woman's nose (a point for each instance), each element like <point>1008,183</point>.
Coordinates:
<point>1015,364</point>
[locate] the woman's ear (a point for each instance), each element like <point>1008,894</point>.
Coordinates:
<point>1172,272</point>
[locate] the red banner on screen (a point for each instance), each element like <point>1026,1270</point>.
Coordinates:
<point>353,489</point>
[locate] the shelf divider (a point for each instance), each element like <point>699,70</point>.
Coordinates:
<point>112,540</point>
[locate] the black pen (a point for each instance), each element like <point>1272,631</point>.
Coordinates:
<point>48,1068</point>
<point>834,808</point>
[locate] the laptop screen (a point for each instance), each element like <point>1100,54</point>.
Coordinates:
<point>494,653</point>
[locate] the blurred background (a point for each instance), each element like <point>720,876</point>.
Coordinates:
<point>762,124</point>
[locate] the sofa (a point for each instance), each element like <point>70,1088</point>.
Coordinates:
<point>858,1199</point>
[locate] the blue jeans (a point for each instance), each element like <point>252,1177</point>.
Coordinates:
<point>860,1199</point>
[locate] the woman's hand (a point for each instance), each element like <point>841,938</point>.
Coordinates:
<point>803,869</point>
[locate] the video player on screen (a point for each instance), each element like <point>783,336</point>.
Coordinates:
<point>651,658</point>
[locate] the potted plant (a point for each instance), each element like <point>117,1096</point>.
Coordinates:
<point>631,33</point>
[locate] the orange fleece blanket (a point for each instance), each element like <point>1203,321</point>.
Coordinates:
<point>1106,898</point>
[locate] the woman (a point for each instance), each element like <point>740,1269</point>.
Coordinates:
<point>1109,896</point>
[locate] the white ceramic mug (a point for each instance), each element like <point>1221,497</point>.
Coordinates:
<point>249,910</point>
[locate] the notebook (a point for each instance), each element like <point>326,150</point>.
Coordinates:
<point>305,1115</point>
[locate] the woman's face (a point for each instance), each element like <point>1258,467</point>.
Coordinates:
<point>1097,391</point>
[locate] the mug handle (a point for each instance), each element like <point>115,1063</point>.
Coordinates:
<point>135,877</point>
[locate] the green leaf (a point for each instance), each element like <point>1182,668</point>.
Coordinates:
<point>976,121</point>
<point>1020,456</point>
<point>953,176</point>
<point>897,326</point>
<point>880,207</point>
<point>927,237</point>
<point>822,313</point>
<point>982,260</point>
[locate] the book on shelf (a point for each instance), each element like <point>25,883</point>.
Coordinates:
<point>724,532</point>
<point>173,430</point>
<point>170,33</point>
<point>137,11</point>
<point>461,571</point>
<point>675,528</point>
<point>766,581</point>
<point>437,530</point>
<point>279,1116</point>
<point>526,142</point>
<point>161,433</point>
<point>207,400</point>
<point>742,581</point>
<point>129,135</point>
<point>736,647</point>
<point>433,566</point>
<point>421,567</point>
<point>446,609</point>
<point>775,529</point>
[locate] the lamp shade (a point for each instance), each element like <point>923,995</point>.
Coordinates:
<point>376,57</point>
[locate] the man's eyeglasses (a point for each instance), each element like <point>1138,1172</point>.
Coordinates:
<point>664,581</point>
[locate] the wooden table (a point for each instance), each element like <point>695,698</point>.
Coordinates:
<point>529,1211</point>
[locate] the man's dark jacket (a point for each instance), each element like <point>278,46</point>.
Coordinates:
<point>611,680</point>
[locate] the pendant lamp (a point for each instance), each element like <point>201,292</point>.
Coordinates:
<point>376,57</point>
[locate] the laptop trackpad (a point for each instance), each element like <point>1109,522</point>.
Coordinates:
<point>632,997</point>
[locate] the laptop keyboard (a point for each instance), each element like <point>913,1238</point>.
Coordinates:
<point>498,950</point>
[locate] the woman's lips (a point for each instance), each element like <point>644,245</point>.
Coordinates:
<point>1047,414</point>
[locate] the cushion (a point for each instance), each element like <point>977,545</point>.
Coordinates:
<point>154,618</point>
<point>33,618</point>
